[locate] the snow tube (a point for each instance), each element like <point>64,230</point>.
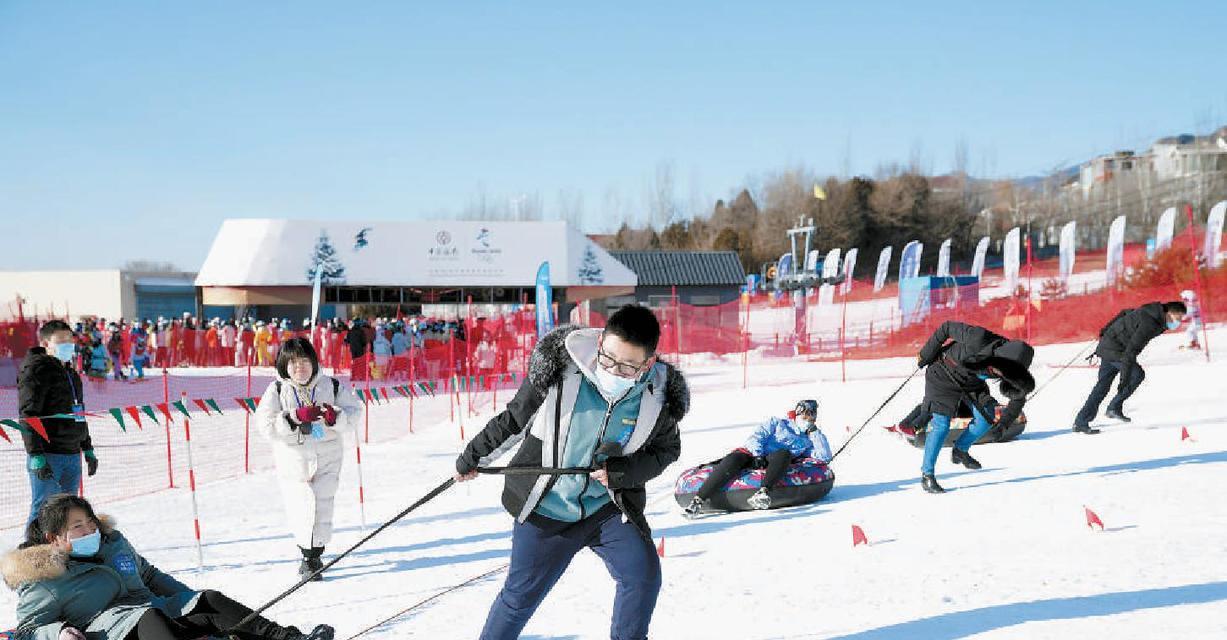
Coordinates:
<point>807,480</point>
<point>959,424</point>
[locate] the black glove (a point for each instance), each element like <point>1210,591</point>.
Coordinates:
<point>91,463</point>
<point>44,473</point>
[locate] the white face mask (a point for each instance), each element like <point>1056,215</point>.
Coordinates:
<point>613,386</point>
<point>805,425</point>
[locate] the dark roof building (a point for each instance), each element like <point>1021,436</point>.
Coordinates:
<point>702,278</point>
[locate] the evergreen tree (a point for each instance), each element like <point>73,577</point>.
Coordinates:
<point>590,271</point>
<point>324,257</point>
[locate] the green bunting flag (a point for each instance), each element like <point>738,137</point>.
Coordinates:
<point>148,410</point>
<point>213,403</point>
<point>119,417</point>
<point>178,404</point>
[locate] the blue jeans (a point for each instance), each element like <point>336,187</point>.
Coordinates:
<point>65,478</point>
<point>939,426</point>
<point>539,558</point>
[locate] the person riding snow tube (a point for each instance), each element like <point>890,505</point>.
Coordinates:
<point>912,428</point>
<point>782,464</point>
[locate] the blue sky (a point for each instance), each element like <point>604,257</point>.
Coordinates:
<point>130,130</point>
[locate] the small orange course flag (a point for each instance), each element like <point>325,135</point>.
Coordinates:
<point>660,548</point>
<point>1184,434</point>
<point>1092,520</point>
<point>858,536</point>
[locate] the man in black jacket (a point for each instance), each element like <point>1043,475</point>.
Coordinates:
<point>595,400</point>
<point>960,358</point>
<point>1120,342</point>
<point>50,390</point>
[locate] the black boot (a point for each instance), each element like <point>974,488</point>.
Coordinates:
<point>1117,414</point>
<point>321,632</point>
<point>1085,428</point>
<point>311,563</point>
<point>929,483</point>
<point>958,456</point>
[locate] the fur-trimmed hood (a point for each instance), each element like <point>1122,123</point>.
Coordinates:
<point>551,358</point>
<point>40,562</point>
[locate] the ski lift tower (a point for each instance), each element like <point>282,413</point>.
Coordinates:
<point>799,280</point>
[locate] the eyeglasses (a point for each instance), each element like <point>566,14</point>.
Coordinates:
<point>624,369</point>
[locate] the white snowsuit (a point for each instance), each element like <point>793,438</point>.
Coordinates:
<point>308,468</point>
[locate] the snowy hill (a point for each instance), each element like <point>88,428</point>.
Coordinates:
<point>1006,554</point>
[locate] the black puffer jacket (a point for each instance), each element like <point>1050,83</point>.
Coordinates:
<point>46,387</point>
<point>955,368</point>
<point>1125,337</point>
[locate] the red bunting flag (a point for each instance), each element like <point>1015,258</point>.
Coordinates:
<point>203,407</point>
<point>136,416</point>
<point>384,391</point>
<point>243,404</point>
<point>10,424</point>
<point>37,425</point>
<point>164,407</point>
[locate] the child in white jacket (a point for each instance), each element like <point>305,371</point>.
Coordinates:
<point>303,413</point>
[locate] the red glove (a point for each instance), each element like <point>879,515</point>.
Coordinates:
<point>330,415</point>
<point>307,415</point>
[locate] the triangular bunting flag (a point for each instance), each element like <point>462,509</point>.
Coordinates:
<point>119,417</point>
<point>255,402</point>
<point>213,403</point>
<point>164,407</point>
<point>149,412</point>
<point>384,391</point>
<point>136,416</point>
<point>243,404</point>
<point>251,403</point>
<point>37,425</point>
<point>178,404</point>
<point>12,425</point>
<point>203,406</point>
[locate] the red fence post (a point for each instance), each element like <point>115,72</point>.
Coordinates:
<point>412,375</point>
<point>170,467</point>
<point>247,426</point>
<point>1201,293</point>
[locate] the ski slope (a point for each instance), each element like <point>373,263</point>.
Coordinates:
<point>1005,554</point>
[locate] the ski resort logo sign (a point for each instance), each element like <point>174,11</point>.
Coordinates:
<point>443,251</point>
<point>485,251</point>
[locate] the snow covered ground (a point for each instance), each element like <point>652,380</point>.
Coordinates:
<point>1006,554</point>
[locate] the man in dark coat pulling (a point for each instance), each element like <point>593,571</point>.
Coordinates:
<point>960,358</point>
<point>1120,342</point>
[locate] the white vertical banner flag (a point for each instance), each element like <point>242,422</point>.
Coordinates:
<point>1069,245</point>
<point>849,267</point>
<point>879,278</point>
<point>977,263</point>
<point>943,259</point>
<point>1116,249</point>
<point>909,260</point>
<point>1165,230</point>
<point>1214,234</point>
<point>811,260</point>
<point>1010,256</point>
<point>830,269</point>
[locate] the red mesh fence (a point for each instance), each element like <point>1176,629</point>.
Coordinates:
<point>474,365</point>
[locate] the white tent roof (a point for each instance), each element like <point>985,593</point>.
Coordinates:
<point>279,252</point>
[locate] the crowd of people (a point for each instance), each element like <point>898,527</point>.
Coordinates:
<point>380,347</point>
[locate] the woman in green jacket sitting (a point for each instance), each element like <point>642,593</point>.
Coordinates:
<point>76,577</point>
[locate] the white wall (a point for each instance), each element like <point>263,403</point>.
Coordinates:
<point>98,293</point>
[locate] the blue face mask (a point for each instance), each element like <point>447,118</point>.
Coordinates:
<point>613,386</point>
<point>87,546</point>
<point>64,351</point>
<point>1173,324</point>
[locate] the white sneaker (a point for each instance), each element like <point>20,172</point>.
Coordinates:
<point>760,500</point>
